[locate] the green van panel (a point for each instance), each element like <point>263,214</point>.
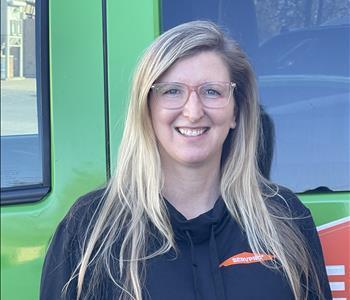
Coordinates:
<point>78,160</point>
<point>132,26</point>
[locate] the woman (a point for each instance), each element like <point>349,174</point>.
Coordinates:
<point>187,214</point>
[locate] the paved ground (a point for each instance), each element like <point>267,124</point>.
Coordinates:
<point>18,107</point>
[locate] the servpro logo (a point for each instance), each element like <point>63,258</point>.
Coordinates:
<point>245,258</point>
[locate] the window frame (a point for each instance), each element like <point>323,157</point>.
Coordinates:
<point>268,35</point>
<point>35,192</point>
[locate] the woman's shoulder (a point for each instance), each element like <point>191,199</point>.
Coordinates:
<point>282,198</point>
<point>287,206</point>
<point>83,212</point>
<point>87,204</point>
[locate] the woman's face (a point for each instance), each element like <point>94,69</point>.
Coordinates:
<point>193,135</point>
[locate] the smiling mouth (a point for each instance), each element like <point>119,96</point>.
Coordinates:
<point>192,131</point>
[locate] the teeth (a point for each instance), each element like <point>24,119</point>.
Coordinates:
<point>191,132</point>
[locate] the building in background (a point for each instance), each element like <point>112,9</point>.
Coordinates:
<point>17,39</point>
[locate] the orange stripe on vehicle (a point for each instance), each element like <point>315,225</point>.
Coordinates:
<point>335,239</point>
<point>245,258</point>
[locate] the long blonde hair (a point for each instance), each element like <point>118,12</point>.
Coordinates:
<point>133,198</point>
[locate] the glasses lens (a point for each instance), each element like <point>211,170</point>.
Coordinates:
<point>215,94</point>
<point>171,95</point>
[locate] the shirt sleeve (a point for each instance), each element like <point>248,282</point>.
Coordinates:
<point>304,221</point>
<point>64,251</point>
<point>309,230</point>
<point>59,265</point>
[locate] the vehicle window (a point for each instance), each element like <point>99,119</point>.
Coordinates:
<point>300,52</point>
<point>23,110</point>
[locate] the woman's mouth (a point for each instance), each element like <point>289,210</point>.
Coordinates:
<point>185,131</point>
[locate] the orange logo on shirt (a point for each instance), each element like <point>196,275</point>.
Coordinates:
<point>245,258</point>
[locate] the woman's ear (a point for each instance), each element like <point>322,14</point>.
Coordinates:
<point>233,122</point>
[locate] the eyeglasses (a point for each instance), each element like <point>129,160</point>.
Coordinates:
<point>174,95</point>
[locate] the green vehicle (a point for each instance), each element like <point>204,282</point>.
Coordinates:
<point>65,73</point>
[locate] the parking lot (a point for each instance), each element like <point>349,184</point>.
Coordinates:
<point>18,106</point>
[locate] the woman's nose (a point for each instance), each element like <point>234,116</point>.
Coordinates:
<point>193,108</point>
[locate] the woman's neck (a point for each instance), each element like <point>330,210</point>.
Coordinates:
<point>192,190</point>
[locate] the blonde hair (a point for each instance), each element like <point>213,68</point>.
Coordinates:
<point>133,198</point>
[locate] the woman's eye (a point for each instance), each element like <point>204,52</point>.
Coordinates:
<point>212,92</point>
<point>172,91</point>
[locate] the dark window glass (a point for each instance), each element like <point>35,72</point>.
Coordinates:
<point>24,102</point>
<point>300,52</point>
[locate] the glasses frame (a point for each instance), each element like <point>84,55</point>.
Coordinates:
<point>195,88</point>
